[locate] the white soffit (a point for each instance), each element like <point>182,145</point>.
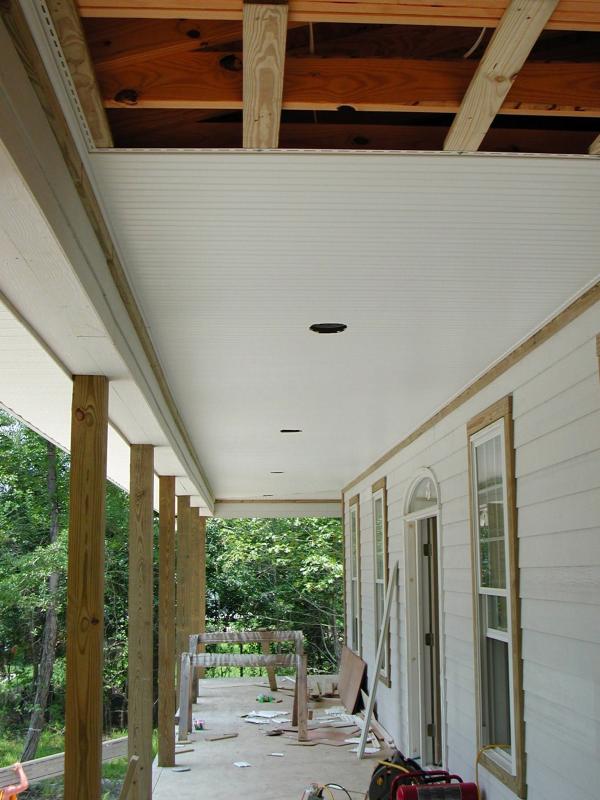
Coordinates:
<point>439,264</point>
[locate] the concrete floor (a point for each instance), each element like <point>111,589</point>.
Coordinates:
<point>212,774</point>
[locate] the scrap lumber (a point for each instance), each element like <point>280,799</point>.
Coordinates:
<point>40,769</point>
<point>352,673</point>
<point>389,594</point>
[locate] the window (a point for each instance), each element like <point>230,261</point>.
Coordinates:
<point>355,627</point>
<point>381,567</point>
<point>496,606</point>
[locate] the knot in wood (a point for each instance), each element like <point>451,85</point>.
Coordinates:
<point>128,97</point>
<point>231,63</point>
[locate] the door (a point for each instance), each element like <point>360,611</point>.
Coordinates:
<point>429,642</point>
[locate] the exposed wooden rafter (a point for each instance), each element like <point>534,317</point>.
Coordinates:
<point>504,58</point>
<point>265,30</point>
<point>67,25</point>
<point>595,147</point>
<point>214,81</point>
<point>570,15</point>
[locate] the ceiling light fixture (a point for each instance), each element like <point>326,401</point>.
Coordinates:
<point>328,327</point>
<point>290,430</point>
<point>276,472</point>
<point>267,495</point>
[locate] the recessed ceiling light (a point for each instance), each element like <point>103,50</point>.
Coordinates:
<point>267,495</point>
<point>328,327</point>
<point>277,472</point>
<point>290,430</point>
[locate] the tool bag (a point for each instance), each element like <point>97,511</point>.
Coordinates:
<point>385,772</point>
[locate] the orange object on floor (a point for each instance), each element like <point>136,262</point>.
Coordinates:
<point>10,792</point>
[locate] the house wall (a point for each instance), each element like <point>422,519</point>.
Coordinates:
<point>556,409</point>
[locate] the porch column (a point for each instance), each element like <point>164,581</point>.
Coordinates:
<point>140,699</point>
<point>198,579</point>
<point>202,586</point>
<point>85,588</point>
<point>183,579</point>
<point>166,624</point>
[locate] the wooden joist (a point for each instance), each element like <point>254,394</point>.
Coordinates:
<point>176,128</point>
<point>41,769</point>
<point>265,29</point>
<point>67,25</point>
<point>509,47</point>
<point>214,81</point>
<point>570,14</point>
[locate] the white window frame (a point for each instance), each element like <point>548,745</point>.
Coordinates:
<point>496,422</point>
<point>355,606</point>
<point>379,493</point>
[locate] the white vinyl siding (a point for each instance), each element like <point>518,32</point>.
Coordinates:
<point>556,418</point>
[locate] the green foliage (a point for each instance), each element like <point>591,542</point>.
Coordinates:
<point>279,573</point>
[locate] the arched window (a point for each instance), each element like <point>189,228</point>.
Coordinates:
<point>424,495</point>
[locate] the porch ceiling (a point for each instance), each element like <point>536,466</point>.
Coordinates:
<point>438,264</point>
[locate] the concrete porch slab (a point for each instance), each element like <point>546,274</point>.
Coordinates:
<point>212,774</point>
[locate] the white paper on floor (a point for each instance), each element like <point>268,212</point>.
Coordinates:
<point>368,750</point>
<point>279,755</point>
<point>241,764</point>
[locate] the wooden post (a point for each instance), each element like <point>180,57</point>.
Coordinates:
<point>85,589</point>
<point>166,624</point>
<point>200,622</point>
<point>183,568</point>
<point>140,699</point>
<point>266,649</point>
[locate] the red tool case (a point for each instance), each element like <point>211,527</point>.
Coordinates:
<point>432,785</point>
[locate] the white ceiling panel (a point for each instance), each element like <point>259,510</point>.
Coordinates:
<point>438,264</point>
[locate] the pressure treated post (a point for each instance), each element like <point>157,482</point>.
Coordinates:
<point>166,623</point>
<point>85,589</point>
<point>183,582</point>
<point>197,578</point>
<point>201,586</point>
<point>140,699</point>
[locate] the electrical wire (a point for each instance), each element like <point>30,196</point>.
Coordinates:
<point>480,752</point>
<point>341,788</point>
<point>478,41</point>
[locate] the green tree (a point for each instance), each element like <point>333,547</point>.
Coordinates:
<point>279,573</point>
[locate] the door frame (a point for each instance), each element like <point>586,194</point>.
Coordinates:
<point>413,661</point>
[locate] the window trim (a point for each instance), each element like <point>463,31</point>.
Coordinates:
<point>379,490</point>
<point>354,507</point>
<point>499,417</point>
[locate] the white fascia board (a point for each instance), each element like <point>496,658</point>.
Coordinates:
<point>26,134</point>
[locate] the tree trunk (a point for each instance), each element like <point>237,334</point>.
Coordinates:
<point>46,665</point>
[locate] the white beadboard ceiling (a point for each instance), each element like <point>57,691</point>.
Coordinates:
<point>438,264</point>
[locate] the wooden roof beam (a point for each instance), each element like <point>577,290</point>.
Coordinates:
<point>570,15</point>
<point>265,31</point>
<point>214,81</point>
<point>67,24</point>
<point>505,56</point>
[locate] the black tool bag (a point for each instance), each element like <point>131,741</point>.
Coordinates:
<point>385,772</point>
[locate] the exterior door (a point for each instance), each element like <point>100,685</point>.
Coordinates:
<point>429,642</point>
